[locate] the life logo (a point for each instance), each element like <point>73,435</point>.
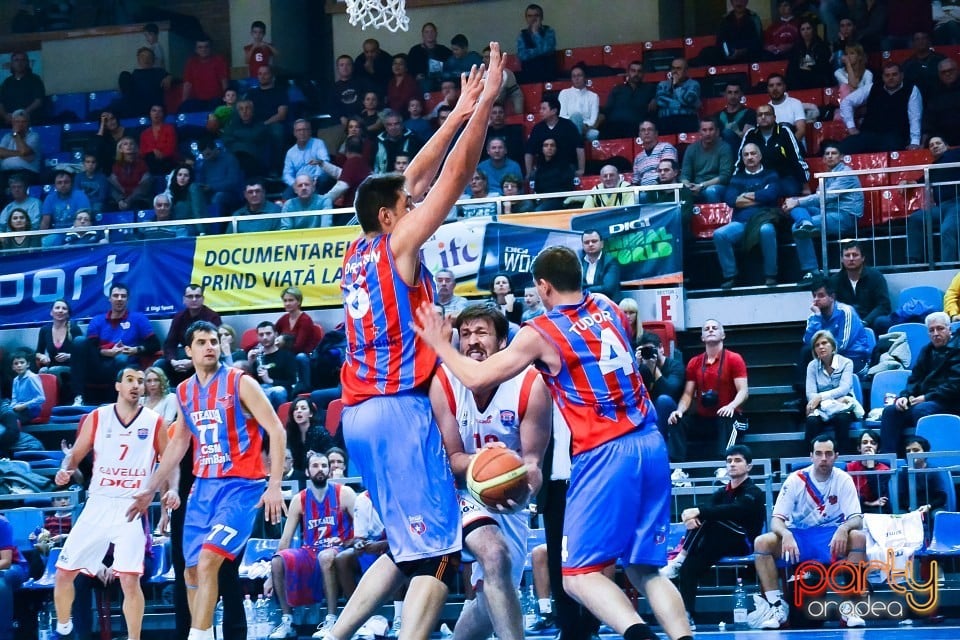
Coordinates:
<point>508,418</point>
<point>417,525</point>
<point>142,433</point>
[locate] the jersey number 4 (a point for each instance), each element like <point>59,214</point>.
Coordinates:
<point>613,355</point>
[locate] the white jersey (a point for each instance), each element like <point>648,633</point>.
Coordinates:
<point>499,421</point>
<point>805,502</point>
<point>366,520</point>
<point>124,455</point>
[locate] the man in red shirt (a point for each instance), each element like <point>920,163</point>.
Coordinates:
<point>205,78</point>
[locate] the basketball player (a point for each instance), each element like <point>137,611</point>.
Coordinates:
<point>126,440</point>
<point>225,412</point>
<point>514,414</point>
<point>324,513</point>
<point>387,422</point>
<point>618,500</point>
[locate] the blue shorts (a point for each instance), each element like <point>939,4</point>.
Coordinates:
<point>220,516</point>
<point>814,543</point>
<point>398,448</point>
<point>618,504</point>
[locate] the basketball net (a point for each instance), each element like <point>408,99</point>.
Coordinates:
<point>377,14</point>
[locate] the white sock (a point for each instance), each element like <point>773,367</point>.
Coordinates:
<point>286,617</point>
<point>773,597</point>
<point>546,605</point>
<point>200,634</point>
<point>64,628</point>
<point>680,557</point>
<point>398,609</point>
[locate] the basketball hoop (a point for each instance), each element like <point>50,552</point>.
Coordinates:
<point>378,13</point>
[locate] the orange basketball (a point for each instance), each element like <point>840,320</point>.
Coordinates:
<point>497,474</point>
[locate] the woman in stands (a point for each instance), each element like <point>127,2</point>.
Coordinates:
<point>502,296</point>
<point>337,457</point>
<point>874,490</point>
<point>186,197</point>
<point>304,433</point>
<point>55,346</point>
<point>580,104</point>
<point>228,355</point>
<point>355,128</point>
<point>158,395</point>
<point>158,143</point>
<point>18,222</point>
<point>297,323</point>
<point>108,137</point>
<point>854,73</point>
<point>830,397</point>
<point>632,311</point>
<point>511,185</point>
<point>370,115</point>
<point>130,179</point>
<point>552,175</point>
<point>809,66</point>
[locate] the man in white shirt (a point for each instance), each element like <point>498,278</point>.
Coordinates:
<point>306,157</point>
<point>788,110</point>
<point>891,120</point>
<point>580,104</point>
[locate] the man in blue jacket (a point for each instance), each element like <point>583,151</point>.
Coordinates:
<point>853,339</point>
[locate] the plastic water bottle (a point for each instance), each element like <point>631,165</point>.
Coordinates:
<point>528,604</point>
<point>218,620</point>
<point>248,613</point>
<point>740,606</point>
<point>45,623</point>
<point>262,617</point>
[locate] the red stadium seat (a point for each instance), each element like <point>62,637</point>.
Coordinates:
<point>557,85</point>
<point>529,122</point>
<point>532,96</point>
<point>813,96</point>
<point>688,138</point>
<point>707,218</point>
<point>590,56</point>
<point>711,106</point>
<point>283,412</point>
<point>249,339</point>
<point>619,56</point>
<point>900,203</point>
<point>51,391</point>
<point>754,100</point>
<point>604,85</point>
<point>872,200</point>
<point>588,182</point>
<point>600,150</point>
<point>430,100</point>
<point>693,46</point>
<point>831,97</point>
<point>820,131</point>
<point>658,54</point>
<point>332,422</point>
<point>816,165</point>
<point>760,71</point>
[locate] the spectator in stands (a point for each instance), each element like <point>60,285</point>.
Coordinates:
<point>931,487</point>
<point>248,139</point>
<point>532,304</point>
<point>502,296</point>
<point>789,111</point>
<point>510,92</point>
<point>18,221</point>
<point>228,355</point>
<point>477,188</point>
<point>863,288</point>
<point>220,117</point>
<point>569,142</point>
<point>369,115</point>
<point>537,48</point>
<point>634,326</point>
<point>823,526</point>
<point>256,203</point>
<point>735,119</point>
<point>306,156</point>
<point>553,174</point>
<point>271,105</point>
<point>853,74</point>
<point>355,170</point>
<point>933,385</point>
<point>780,151</point>
<point>130,178</point>
<point>497,165</point>
<point>373,65</point>
<point>346,98</point>
<point>297,322</point>
<point>26,396</point>
<point>115,340</point>
<point>158,142</point>
<point>60,206</point>
<point>809,66</point>
<point>446,299</point>
<point>415,121</point>
<point>22,89</point>
<point>109,135</point>
<point>725,527</point>
<point>402,86</point>
<point>151,34</point>
<point>145,86</point>
<point>20,199</point>
<point>93,183</point>
<point>305,433</point>
<point>259,51</point>
<point>752,193</point>
<point>871,20</point>
<point>717,381</point>
<point>601,272</point>
<point>205,78</point>
<point>943,213</point>
<point>307,200</point>
<point>951,299</point>
<point>662,376</point>
<point>163,212</point>
<point>176,364</point>
<point>707,164</point>
<point>462,59</point>
<point>838,217</point>
<point>274,368</point>
<point>55,347</point>
<point>580,105</point>
<point>157,394</point>
<point>220,177</point>
<point>739,37</point>
<point>393,141</point>
<point>511,185</point>
<point>874,490</point>
<point>80,233</point>
<point>426,59</point>
<point>628,105</point>
<point>668,173</point>
<point>942,104</point>
<point>921,69</point>
<point>13,572</point>
<point>853,341</point>
<point>781,36</point>
<point>678,100</point>
<point>650,155</point>
<point>20,148</point>
<point>947,21</point>
<point>829,391</point>
<point>610,179</point>
<point>891,121</point>
<point>512,134</point>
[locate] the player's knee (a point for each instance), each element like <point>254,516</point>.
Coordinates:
<point>495,558</point>
<point>766,543</point>
<point>129,583</point>
<point>64,577</point>
<point>208,563</point>
<point>539,554</point>
<point>856,539</point>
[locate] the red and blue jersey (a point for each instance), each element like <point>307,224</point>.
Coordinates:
<point>226,442</point>
<point>384,355</point>
<point>598,388</point>
<point>324,519</point>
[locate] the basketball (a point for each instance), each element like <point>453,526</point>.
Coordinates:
<point>497,474</point>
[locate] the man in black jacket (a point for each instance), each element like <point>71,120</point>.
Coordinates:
<point>725,527</point>
<point>663,377</point>
<point>863,288</point>
<point>780,152</point>
<point>601,272</point>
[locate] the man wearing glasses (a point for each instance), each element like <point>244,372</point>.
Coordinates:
<point>780,152</point>
<point>175,362</point>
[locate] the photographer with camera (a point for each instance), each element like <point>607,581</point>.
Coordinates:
<point>662,376</point>
<point>717,379</point>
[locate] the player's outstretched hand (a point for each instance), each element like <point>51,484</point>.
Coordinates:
<point>170,500</point>
<point>494,81</point>
<point>273,505</point>
<point>430,326</point>
<point>471,86</point>
<point>140,504</point>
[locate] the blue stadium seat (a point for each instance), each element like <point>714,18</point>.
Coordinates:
<point>75,103</point>
<point>46,581</point>
<point>917,337</point>
<point>257,549</point>
<point>100,100</point>
<point>81,127</point>
<point>162,564</point>
<point>24,521</point>
<point>883,383</point>
<point>62,157</point>
<point>931,296</point>
<point>946,535</point>
<point>146,215</point>
<point>49,138</point>
<point>192,119</point>
<point>943,432</point>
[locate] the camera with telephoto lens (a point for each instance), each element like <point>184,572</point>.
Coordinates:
<point>648,352</point>
<point>709,399</point>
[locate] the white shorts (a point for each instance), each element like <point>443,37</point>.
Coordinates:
<point>103,522</point>
<point>514,527</point>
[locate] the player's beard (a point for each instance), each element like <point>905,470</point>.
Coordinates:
<point>319,481</point>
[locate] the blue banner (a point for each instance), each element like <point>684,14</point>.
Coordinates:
<point>510,249</point>
<point>29,283</point>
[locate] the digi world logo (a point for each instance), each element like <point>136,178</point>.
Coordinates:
<point>823,592</point>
